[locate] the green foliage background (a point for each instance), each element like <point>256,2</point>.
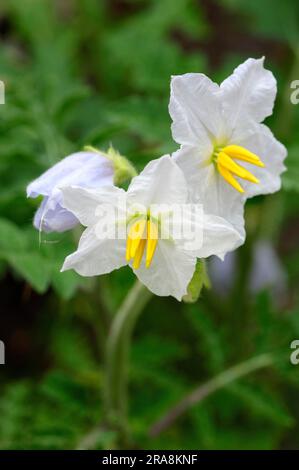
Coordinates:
<point>94,72</point>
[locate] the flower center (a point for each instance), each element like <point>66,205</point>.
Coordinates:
<point>224,159</point>
<point>143,233</point>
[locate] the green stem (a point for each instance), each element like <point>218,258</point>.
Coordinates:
<point>209,387</point>
<point>118,347</point>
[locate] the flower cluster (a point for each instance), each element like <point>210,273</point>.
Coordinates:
<point>180,207</point>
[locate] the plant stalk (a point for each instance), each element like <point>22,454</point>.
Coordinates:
<point>200,393</point>
<point>117,357</point>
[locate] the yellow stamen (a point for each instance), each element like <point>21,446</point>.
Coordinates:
<point>128,250</point>
<point>240,153</point>
<point>225,161</point>
<point>141,233</point>
<point>139,253</point>
<point>228,168</point>
<point>229,178</point>
<point>152,240</point>
<point>136,233</point>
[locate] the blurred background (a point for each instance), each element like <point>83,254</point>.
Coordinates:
<point>98,72</point>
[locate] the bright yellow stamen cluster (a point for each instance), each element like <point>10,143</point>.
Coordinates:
<point>228,168</point>
<point>142,233</point>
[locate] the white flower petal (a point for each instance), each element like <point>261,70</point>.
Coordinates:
<point>262,142</point>
<point>86,204</point>
<point>208,187</point>
<point>219,237</point>
<point>96,256</point>
<point>194,108</point>
<point>170,272</point>
<point>161,182</point>
<point>249,93</point>
<point>205,234</point>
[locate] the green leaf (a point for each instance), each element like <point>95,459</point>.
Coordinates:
<point>32,267</point>
<point>26,262</point>
<point>279,22</point>
<point>211,342</point>
<point>262,404</point>
<point>11,237</point>
<point>65,284</point>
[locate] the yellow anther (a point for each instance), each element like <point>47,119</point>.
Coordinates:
<point>152,240</point>
<point>240,153</point>
<point>136,233</point>
<point>142,232</point>
<point>225,161</point>
<point>139,253</point>
<point>128,250</point>
<point>229,178</point>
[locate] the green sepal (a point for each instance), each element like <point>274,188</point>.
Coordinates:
<point>123,168</point>
<point>199,280</point>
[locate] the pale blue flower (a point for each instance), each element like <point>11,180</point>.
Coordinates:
<point>84,169</point>
<point>266,272</point>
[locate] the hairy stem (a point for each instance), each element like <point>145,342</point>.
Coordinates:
<point>118,347</point>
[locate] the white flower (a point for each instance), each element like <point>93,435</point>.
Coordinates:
<point>86,169</point>
<point>165,264</point>
<point>222,138</point>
